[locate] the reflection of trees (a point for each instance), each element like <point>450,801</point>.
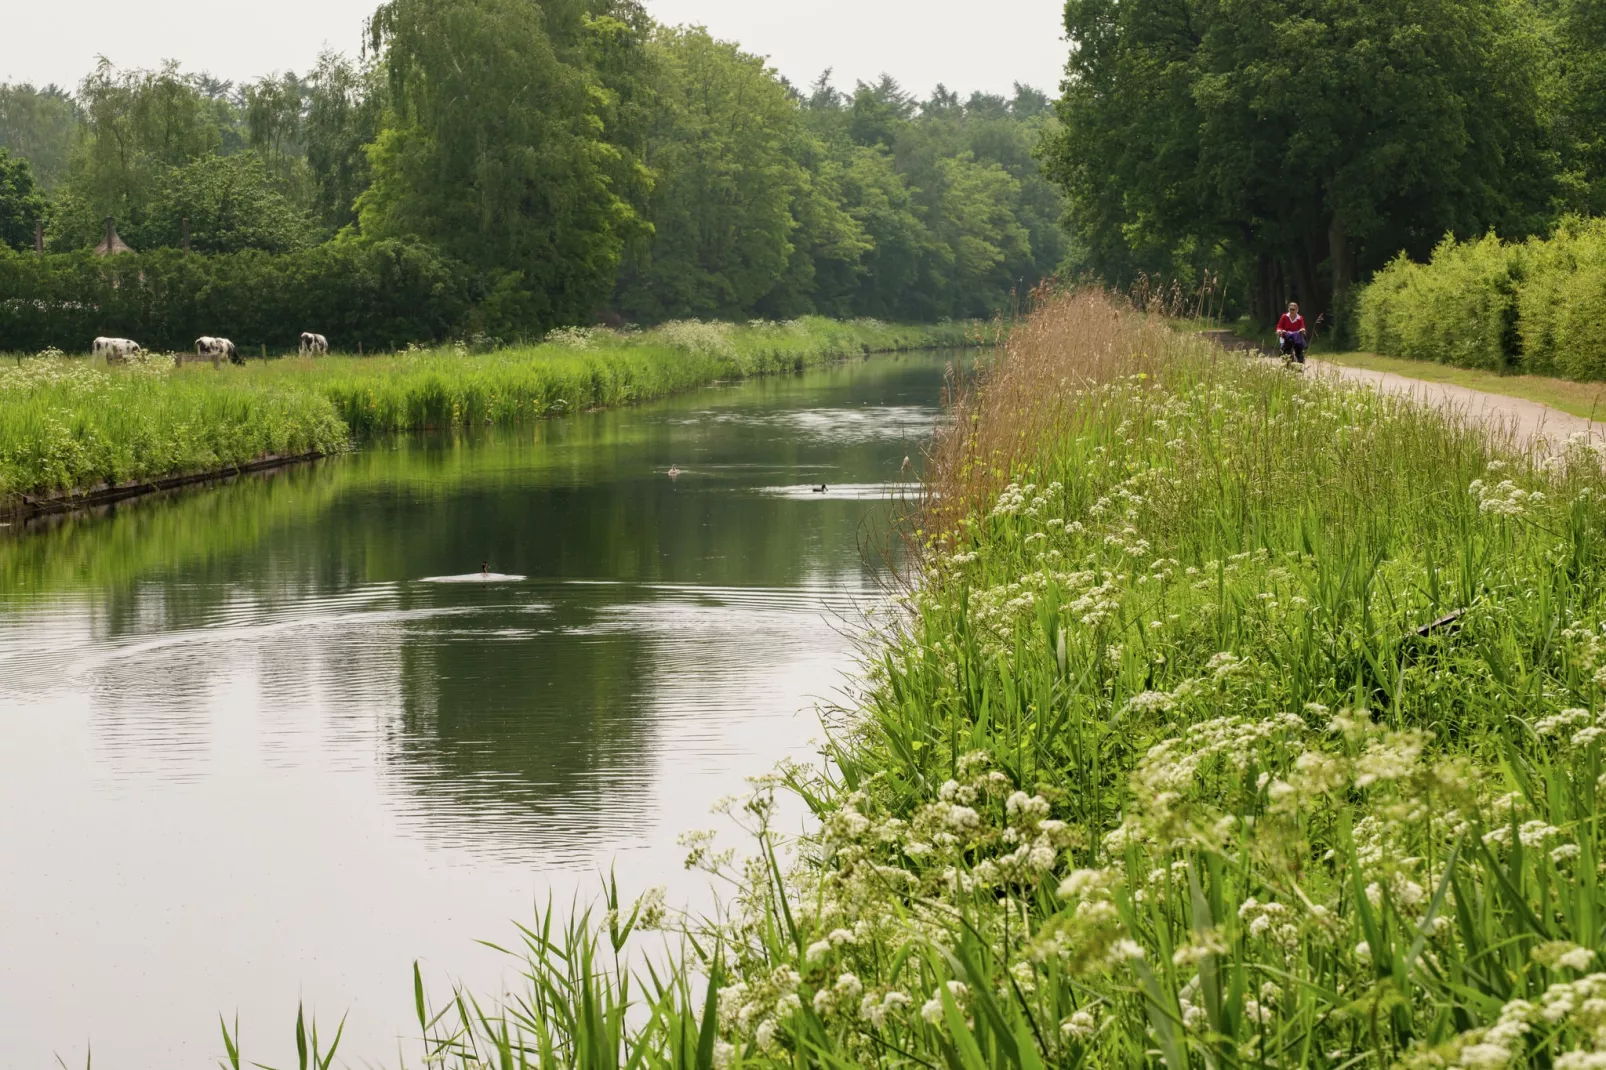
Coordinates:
<point>494,714</point>
<point>515,725</point>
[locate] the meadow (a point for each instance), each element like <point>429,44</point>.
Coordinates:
<point>67,424</point>
<point>1234,718</point>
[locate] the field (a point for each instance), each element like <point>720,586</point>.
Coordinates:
<point>1235,719</point>
<point>69,425</point>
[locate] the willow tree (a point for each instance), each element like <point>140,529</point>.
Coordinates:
<point>510,146</point>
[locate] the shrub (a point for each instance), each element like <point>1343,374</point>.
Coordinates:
<point>1460,308</point>
<point>377,295</point>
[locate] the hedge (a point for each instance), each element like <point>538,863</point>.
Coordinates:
<point>1534,307</point>
<point>376,295</point>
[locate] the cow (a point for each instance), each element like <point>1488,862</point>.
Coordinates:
<point>115,350</point>
<point>313,344</point>
<point>217,348</point>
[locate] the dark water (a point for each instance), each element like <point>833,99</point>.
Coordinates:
<point>276,740</point>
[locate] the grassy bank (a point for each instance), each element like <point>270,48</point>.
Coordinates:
<point>67,424</point>
<point>1239,719</point>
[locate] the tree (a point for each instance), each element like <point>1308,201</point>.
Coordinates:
<point>139,126</point>
<point>736,212</point>
<point>345,107</point>
<point>274,109</point>
<point>1298,140</point>
<point>508,148</point>
<point>40,125</point>
<point>21,203</point>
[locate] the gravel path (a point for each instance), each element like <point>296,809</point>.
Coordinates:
<point>1525,423</point>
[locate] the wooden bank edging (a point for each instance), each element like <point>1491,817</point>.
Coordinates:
<point>27,507</point>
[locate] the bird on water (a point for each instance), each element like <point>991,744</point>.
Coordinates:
<point>819,489</point>
<point>674,471</point>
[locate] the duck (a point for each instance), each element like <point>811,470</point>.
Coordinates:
<point>674,471</point>
<point>485,568</point>
<point>819,489</point>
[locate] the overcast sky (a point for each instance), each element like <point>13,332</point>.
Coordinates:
<point>920,42</point>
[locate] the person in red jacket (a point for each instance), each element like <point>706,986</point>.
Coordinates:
<point>1291,332</point>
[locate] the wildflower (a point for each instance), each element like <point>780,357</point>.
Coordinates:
<point>1078,1026</point>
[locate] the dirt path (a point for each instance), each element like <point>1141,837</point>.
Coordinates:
<point>1526,423</point>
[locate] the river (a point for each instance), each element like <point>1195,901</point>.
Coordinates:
<point>275,740</point>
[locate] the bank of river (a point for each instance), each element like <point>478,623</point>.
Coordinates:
<point>252,748</point>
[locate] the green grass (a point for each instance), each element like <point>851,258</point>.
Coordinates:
<point>69,424</point>
<point>1238,720</point>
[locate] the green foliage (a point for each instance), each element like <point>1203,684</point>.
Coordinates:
<point>1530,308</point>
<point>1462,310</point>
<point>139,125</point>
<point>344,107</point>
<point>377,295</point>
<point>949,196</point>
<point>21,203</point>
<point>506,150</point>
<point>583,164</point>
<point>1302,143</point>
<point>40,125</point>
<point>732,201</point>
<point>66,423</point>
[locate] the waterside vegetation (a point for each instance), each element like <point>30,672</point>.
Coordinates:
<point>68,425</point>
<point>1168,760</point>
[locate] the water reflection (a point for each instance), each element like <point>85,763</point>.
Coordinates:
<point>286,762</point>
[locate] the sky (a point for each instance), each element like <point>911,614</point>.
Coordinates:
<point>918,42</point>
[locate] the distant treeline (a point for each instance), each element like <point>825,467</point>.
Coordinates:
<point>549,163</point>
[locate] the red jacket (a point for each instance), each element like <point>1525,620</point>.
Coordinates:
<point>1291,323</point>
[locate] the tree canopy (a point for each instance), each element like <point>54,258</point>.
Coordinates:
<point>1292,143</point>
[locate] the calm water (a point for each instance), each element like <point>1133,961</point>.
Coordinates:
<point>256,745</point>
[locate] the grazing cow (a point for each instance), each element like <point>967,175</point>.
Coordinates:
<point>115,350</point>
<point>313,344</point>
<point>217,348</point>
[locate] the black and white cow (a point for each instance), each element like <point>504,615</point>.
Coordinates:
<point>217,348</point>
<point>313,344</point>
<point>115,350</point>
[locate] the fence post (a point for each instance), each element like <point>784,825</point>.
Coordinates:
<point>264,352</point>
<point>38,237</point>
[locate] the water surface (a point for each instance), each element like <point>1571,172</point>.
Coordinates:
<point>275,740</point>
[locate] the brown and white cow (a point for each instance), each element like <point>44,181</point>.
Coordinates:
<point>313,344</point>
<point>217,348</point>
<point>115,350</point>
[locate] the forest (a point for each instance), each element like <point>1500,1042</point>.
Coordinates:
<point>529,166</point>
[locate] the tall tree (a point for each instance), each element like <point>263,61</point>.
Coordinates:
<point>737,213</point>
<point>1299,140</point>
<point>21,203</point>
<point>40,125</point>
<point>345,109</point>
<point>508,148</point>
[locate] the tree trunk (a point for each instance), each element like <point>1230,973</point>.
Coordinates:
<point>1338,252</point>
